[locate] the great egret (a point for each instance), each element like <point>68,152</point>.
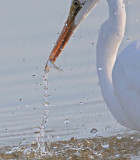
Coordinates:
<point>119,78</point>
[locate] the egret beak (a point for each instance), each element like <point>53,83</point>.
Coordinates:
<point>65,35</point>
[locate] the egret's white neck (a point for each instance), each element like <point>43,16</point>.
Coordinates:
<point>110,37</point>
<point>115,6</point>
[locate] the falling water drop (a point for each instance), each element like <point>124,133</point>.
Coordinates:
<point>66,121</point>
<point>27,105</point>
<point>39,130</point>
<point>94,131</point>
<point>81,103</point>
<point>131,137</point>
<point>21,100</point>
<point>92,44</point>
<point>100,69</point>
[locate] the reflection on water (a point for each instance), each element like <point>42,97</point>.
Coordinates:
<point>112,148</point>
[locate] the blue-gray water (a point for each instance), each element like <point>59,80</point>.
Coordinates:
<point>28,30</point>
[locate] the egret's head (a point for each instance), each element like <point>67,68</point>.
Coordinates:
<point>79,10</point>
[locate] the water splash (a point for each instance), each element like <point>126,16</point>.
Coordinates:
<point>91,148</point>
<point>39,148</point>
<point>42,149</point>
<point>17,148</point>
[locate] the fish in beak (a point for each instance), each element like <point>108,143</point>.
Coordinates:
<point>67,31</point>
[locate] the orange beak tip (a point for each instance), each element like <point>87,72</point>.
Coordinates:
<point>47,69</point>
<point>50,65</point>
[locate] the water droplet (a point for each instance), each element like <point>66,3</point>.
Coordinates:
<point>66,121</point>
<point>105,144</point>
<point>12,114</point>
<point>119,137</point>
<point>46,104</point>
<point>27,105</point>
<point>24,60</point>
<point>45,81</point>
<point>100,69</point>
<point>81,103</point>
<point>132,138</point>
<point>46,88</point>
<point>92,44</point>
<point>118,35</point>
<point>136,20</point>
<point>91,156</point>
<point>94,131</point>
<point>117,155</point>
<point>21,100</point>
<point>58,137</point>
